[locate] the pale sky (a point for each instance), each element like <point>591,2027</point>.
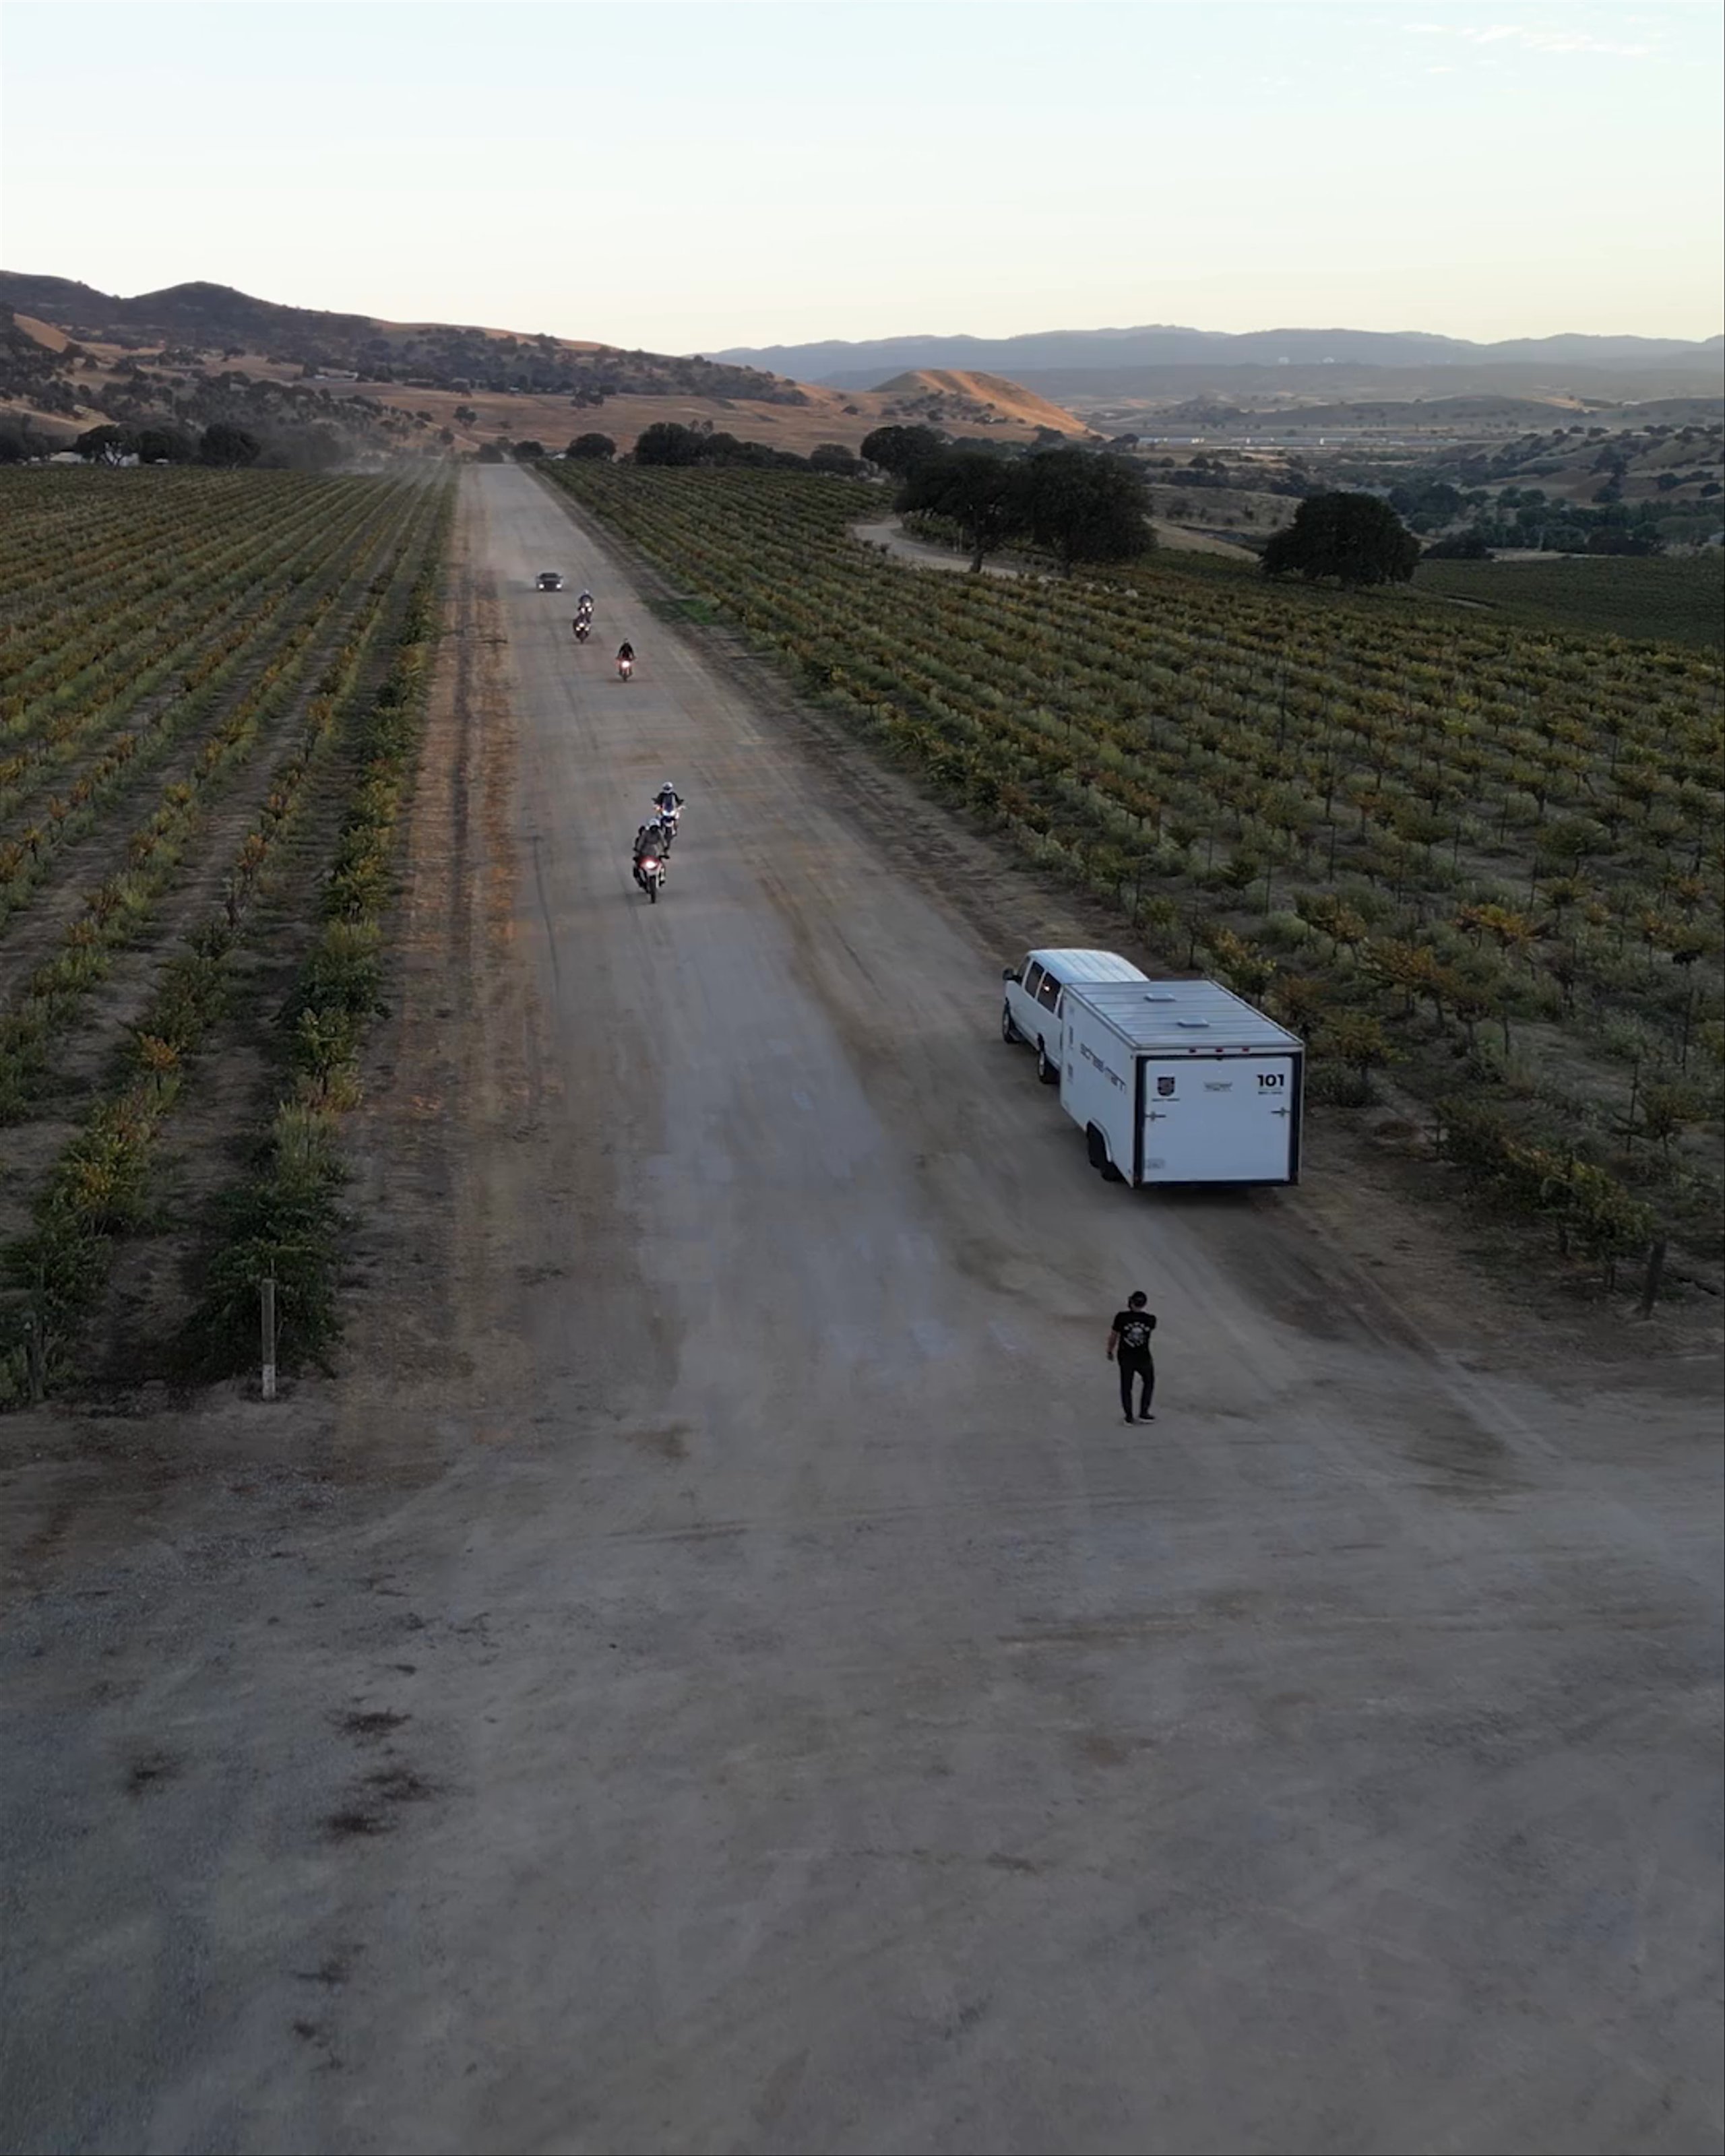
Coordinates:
<point>686,177</point>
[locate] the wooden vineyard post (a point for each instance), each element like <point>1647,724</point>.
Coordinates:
<point>34,1357</point>
<point>1656,1273</point>
<point>266,1291</point>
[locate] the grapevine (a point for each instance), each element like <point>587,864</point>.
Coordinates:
<point>1489,855</point>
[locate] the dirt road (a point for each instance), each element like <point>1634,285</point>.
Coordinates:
<point>719,1674</point>
<point>890,536</point>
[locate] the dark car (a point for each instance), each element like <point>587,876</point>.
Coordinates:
<point>550,581</point>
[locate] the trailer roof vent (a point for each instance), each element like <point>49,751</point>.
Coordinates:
<point>1192,1024</point>
<point>1159,996</point>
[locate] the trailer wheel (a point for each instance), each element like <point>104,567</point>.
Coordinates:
<point>1047,1071</point>
<point>1008,1032</point>
<point>1097,1146</point>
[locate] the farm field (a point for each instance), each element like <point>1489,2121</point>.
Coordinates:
<point>191,665</point>
<point>1478,865</point>
<point>1679,601</point>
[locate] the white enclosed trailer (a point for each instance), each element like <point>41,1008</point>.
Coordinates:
<point>1180,1081</point>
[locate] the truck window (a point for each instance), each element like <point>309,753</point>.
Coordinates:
<point>1034,978</point>
<point>1048,991</point>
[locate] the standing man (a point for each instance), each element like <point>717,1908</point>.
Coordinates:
<point>1129,1345</point>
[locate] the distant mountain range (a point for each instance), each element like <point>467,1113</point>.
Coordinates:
<point>1066,352</point>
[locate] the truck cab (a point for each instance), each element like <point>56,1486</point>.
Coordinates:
<point>1030,1011</point>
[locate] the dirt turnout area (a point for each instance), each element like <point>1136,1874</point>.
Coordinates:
<point>717,1672</point>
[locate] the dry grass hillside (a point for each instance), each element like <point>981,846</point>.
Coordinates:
<point>72,357</point>
<point>43,333</point>
<point>950,396</point>
<point>825,415</point>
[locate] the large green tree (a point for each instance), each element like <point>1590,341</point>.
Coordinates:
<point>900,449</point>
<point>166,445</point>
<point>592,449</point>
<point>666,443</point>
<point>1355,538</point>
<point>981,492</point>
<point>106,445</point>
<point>229,445</point>
<point>1084,507</point>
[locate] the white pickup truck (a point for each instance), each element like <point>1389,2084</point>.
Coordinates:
<point>1180,1081</point>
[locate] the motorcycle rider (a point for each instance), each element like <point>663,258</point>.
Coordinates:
<point>625,651</point>
<point>668,802</point>
<point>649,847</point>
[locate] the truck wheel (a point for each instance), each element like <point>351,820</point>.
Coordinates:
<point>1097,1146</point>
<point>1008,1032</point>
<point>1048,1072</point>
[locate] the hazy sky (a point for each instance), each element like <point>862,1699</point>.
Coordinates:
<point>686,176</point>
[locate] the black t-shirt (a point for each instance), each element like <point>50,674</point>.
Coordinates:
<point>1134,1328</point>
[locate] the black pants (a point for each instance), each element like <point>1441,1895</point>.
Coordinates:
<point>1142,1368</point>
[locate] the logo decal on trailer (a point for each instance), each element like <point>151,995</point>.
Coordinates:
<point>1164,1086</point>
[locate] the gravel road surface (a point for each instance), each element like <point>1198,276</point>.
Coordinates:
<point>718,1673</point>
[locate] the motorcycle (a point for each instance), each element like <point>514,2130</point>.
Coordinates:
<point>667,821</point>
<point>650,875</point>
<point>625,667</point>
<point>584,629</point>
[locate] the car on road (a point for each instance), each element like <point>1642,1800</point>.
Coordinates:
<point>1031,1010</point>
<point>550,581</point>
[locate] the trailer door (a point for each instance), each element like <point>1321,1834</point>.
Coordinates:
<point>1220,1119</point>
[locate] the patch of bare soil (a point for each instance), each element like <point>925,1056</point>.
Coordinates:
<point>891,537</point>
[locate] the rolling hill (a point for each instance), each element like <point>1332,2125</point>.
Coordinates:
<point>213,319</point>
<point>949,397</point>
<point>73,357</point>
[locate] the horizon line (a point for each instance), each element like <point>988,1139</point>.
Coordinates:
<point>907,336</point>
